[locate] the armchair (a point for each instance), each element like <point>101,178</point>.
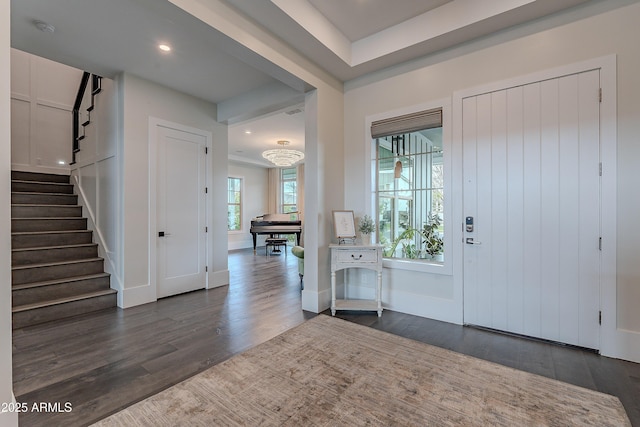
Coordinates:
<point>298,251</point>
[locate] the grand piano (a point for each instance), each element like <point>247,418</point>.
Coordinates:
<point>275,224</point>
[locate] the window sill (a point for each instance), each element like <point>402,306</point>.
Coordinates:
<point>422,266</point>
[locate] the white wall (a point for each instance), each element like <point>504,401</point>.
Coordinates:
<point>324,163</point>
<point>42,97</point>
<point>96,175</point>
<point>254,201</point>
<point>140,101</point>
<point>527,49</point>
<point>324,191</point>
<point>6,377</point>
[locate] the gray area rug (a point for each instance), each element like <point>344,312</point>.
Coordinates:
<point>330,372</point>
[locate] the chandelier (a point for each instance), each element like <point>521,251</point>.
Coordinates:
<point>283,156</point>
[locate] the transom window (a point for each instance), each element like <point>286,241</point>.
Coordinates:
<point>409,187</point>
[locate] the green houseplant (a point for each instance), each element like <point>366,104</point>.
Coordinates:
<point>366,226</point>
<point>430,239</point>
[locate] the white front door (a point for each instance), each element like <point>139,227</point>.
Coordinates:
<point>531,158</point>
<point>180,210</point>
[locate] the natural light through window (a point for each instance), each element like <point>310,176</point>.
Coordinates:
<point>234,204</point>
<point>409,193</point>
<point>288,179</point>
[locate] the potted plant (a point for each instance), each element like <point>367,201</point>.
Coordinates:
<point>432,241</point>
<point>366,227</point>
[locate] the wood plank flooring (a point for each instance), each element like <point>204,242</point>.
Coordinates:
<point>106,361</point>
<point>564,363</point>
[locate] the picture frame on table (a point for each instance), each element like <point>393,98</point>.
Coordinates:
<point>344,225</point>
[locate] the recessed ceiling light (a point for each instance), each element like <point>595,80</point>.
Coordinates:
<point>61,162</point>
<point>164,47</point>
<point>248,132</point>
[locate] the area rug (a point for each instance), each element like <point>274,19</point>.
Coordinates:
<point>330,372</point>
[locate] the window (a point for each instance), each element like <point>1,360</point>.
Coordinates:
<point>409,186</point>
<point>234,204</point>
<point>288,180</point>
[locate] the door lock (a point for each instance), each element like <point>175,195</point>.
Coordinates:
<point>469,224</point>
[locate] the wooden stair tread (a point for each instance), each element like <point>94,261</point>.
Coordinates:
<point>40,193</point>
<point>16,174</point>
<point>68,277</point>
<point>58,281</point>
<point>42,205</point>
<point>47,218</point>
<point>47,264</point>
<point>40,248</point>
<point>33,233</point>
<point>22,181</point>
<point>58,301</point>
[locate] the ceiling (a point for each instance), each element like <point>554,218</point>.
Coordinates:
<point>347,38</point>
<point>250,138</point>
<point>360,19</point>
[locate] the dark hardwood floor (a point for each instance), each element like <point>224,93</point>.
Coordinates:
<point>103,362</point>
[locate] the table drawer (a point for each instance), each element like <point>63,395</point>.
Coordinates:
<point>357,255</point>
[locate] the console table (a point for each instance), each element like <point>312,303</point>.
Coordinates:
<point>356,256</point>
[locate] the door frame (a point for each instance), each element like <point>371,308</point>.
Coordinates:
<point>154,124</point>
<point>610,336</point>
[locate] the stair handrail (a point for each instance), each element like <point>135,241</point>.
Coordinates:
<point>76,115</point>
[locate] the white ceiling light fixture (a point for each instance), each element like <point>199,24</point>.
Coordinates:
<point>164,47</point>
<point>282,157</point>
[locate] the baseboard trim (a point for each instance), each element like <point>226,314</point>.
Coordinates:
<point>9,419</point>
<point>109,265</point>
<point>442,309</point>
<point>620,344</point>
<point>138,295</point>
<point>316,302</point>
<point>217,279</point>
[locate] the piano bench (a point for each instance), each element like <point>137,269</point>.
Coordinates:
<point>275,243</point>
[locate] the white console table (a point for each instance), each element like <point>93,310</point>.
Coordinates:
<point>356,256</point>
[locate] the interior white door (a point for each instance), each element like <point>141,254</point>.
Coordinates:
<point>180,211</point>
<point>531,157</point>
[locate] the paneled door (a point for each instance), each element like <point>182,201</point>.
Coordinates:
<point>531,160</point>
<point>180,211</point>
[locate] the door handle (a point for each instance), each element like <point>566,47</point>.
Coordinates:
<point>163,234</point>
<point>470,241</point>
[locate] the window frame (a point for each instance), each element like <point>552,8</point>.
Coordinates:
<point>241,204</point>
<point>442,268</point>
<point>282,192</point>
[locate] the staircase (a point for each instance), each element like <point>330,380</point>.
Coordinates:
<point>56,272</point>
